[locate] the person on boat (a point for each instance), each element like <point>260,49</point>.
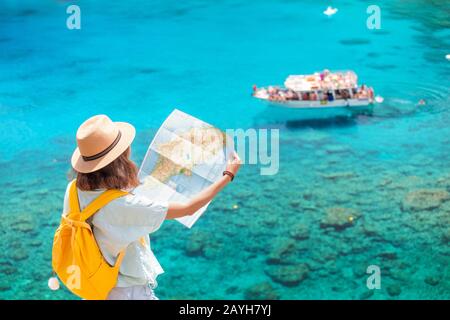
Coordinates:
<point>102,162</point>
<point>279,95</point>
<point>272,92</point>
<point>324,74</point>
<point>313,96</point>
<point>290,94</point>
<point>345,94</point>
<point>362,94</point>
<point>330,96</point>
<point>370,93</point>
<point>262,93</point>
<point>295,95</point>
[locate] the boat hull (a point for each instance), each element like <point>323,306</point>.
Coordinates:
<point>311,110</point>
<point>320,104</point>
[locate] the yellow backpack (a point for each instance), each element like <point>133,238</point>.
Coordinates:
<point>76,257</point>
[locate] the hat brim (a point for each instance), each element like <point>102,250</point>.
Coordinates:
<point>127,136</point>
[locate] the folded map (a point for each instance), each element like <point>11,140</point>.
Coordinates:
<point>185,156</point>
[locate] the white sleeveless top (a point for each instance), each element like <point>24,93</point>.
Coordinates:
<point>120,224</point>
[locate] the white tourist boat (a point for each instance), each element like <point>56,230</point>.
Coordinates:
<point>320,95</point>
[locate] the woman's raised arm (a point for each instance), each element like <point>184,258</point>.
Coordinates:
<point>177,210</point>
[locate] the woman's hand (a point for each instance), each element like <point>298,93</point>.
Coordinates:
<point>234,163</point>
<point>177,210</point>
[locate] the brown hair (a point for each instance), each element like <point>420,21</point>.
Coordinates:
<point>119,174</point>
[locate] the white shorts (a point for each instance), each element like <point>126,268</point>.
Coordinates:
<point>143,292</point>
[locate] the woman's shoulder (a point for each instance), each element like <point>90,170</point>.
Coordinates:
<point>131,198</point>
<point>132,210</point>
<point>69,184</point>
<point>66,194</point>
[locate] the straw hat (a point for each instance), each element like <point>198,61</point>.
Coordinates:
<point>100,141</point>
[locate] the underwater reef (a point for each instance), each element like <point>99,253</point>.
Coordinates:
<point>314,239</point>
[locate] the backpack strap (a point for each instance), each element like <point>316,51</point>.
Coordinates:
<point>101,201</point>
<point>74,205</point>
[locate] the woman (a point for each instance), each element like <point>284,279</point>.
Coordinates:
<point>102,161</point>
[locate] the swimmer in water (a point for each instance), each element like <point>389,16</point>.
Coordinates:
<point>422,102</point>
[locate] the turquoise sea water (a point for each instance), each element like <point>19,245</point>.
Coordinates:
<point>288,238</point>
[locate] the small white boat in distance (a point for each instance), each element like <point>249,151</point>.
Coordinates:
<point>330,11</point>
<point>320,92</point>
